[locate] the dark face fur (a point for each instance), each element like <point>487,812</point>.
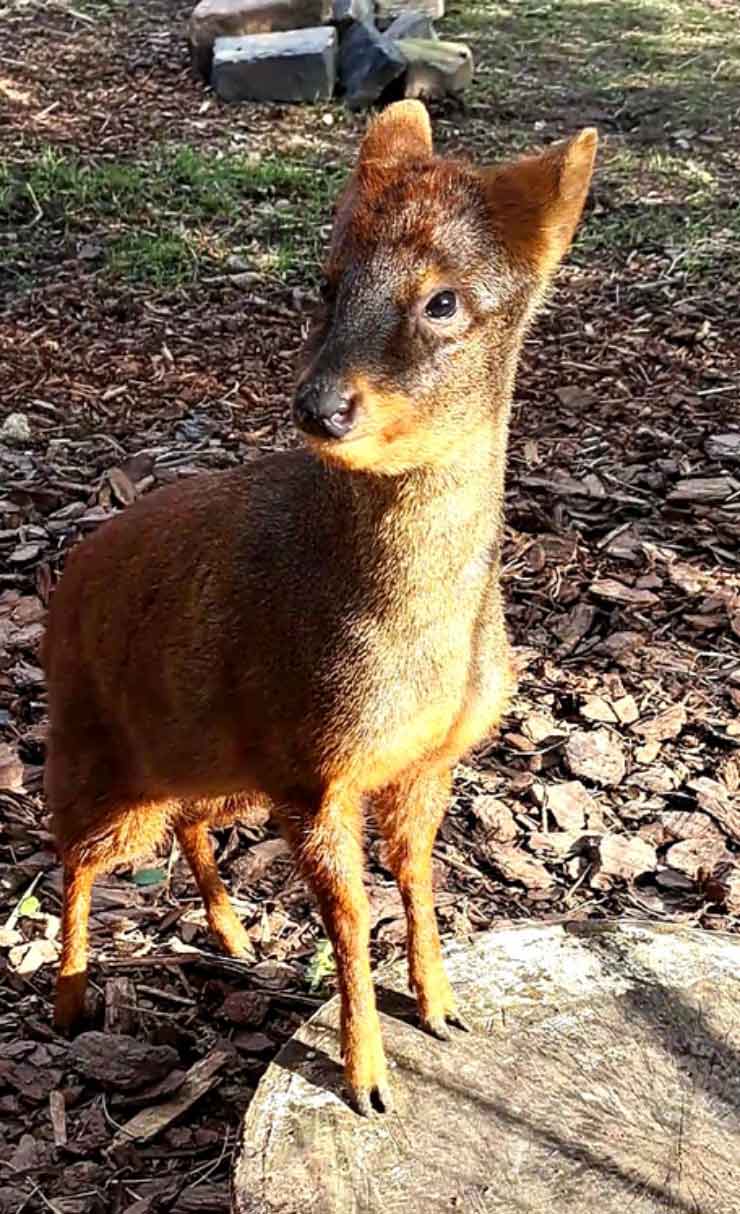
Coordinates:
<point>425,303</point>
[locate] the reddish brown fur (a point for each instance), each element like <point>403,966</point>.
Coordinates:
<point>321,630</point>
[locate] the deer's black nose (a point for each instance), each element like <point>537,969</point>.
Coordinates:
<point>323,410</point>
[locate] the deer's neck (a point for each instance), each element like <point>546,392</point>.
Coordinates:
<point>433,524</point>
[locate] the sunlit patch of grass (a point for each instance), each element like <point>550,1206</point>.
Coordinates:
<point>180,211</point>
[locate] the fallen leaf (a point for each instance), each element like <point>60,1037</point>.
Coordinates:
<point>123,489</point>
<point>149,876</point>
<point>321,966</point>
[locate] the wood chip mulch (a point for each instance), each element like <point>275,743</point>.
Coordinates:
<point>614,788</point>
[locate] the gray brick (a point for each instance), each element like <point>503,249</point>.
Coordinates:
<point>213,19</point>
<point>368,63</point>
<point>299,65</point>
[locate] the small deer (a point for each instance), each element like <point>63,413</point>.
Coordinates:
<point>323,630</point>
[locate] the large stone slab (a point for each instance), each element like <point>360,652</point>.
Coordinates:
<point>602,1076</point>
<point>436,69</point>
<point>368,63</point>
<point>212,19</point>
<point>299,65</point>
<point>386,11</point>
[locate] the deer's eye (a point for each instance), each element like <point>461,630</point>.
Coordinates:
<point>441,306</point>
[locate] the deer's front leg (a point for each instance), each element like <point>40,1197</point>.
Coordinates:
<point>327,839</point>
<point>409,814</point>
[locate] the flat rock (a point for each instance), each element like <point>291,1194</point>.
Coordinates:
<point>386,11</point>
<point>597,1050</point>
<point>299,65</point>
<point>368,63</point>
<point>436,69</point>
<point>212,19</point>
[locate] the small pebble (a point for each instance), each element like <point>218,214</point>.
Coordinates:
<point>15,428</point>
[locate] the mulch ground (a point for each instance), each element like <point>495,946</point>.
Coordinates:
<point>614,786</point>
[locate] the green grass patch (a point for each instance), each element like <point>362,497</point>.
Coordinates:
<point>661,81</point>
<point>170,217</point>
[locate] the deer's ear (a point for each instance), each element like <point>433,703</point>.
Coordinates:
<point>536,202</point>
<point>400,132</point>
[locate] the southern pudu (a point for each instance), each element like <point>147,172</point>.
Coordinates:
<point>323,629</point>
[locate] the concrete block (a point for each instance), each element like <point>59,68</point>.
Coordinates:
<point>368,63</point>
<point>436,69</point>
<point>211,19</point>
<point>386,11</point>
<point>299,65</point>
<point>413,24</point>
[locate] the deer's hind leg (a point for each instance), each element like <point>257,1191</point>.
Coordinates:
<point>192,835</point>
<point>111,836</point>
<point>409,814</point>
